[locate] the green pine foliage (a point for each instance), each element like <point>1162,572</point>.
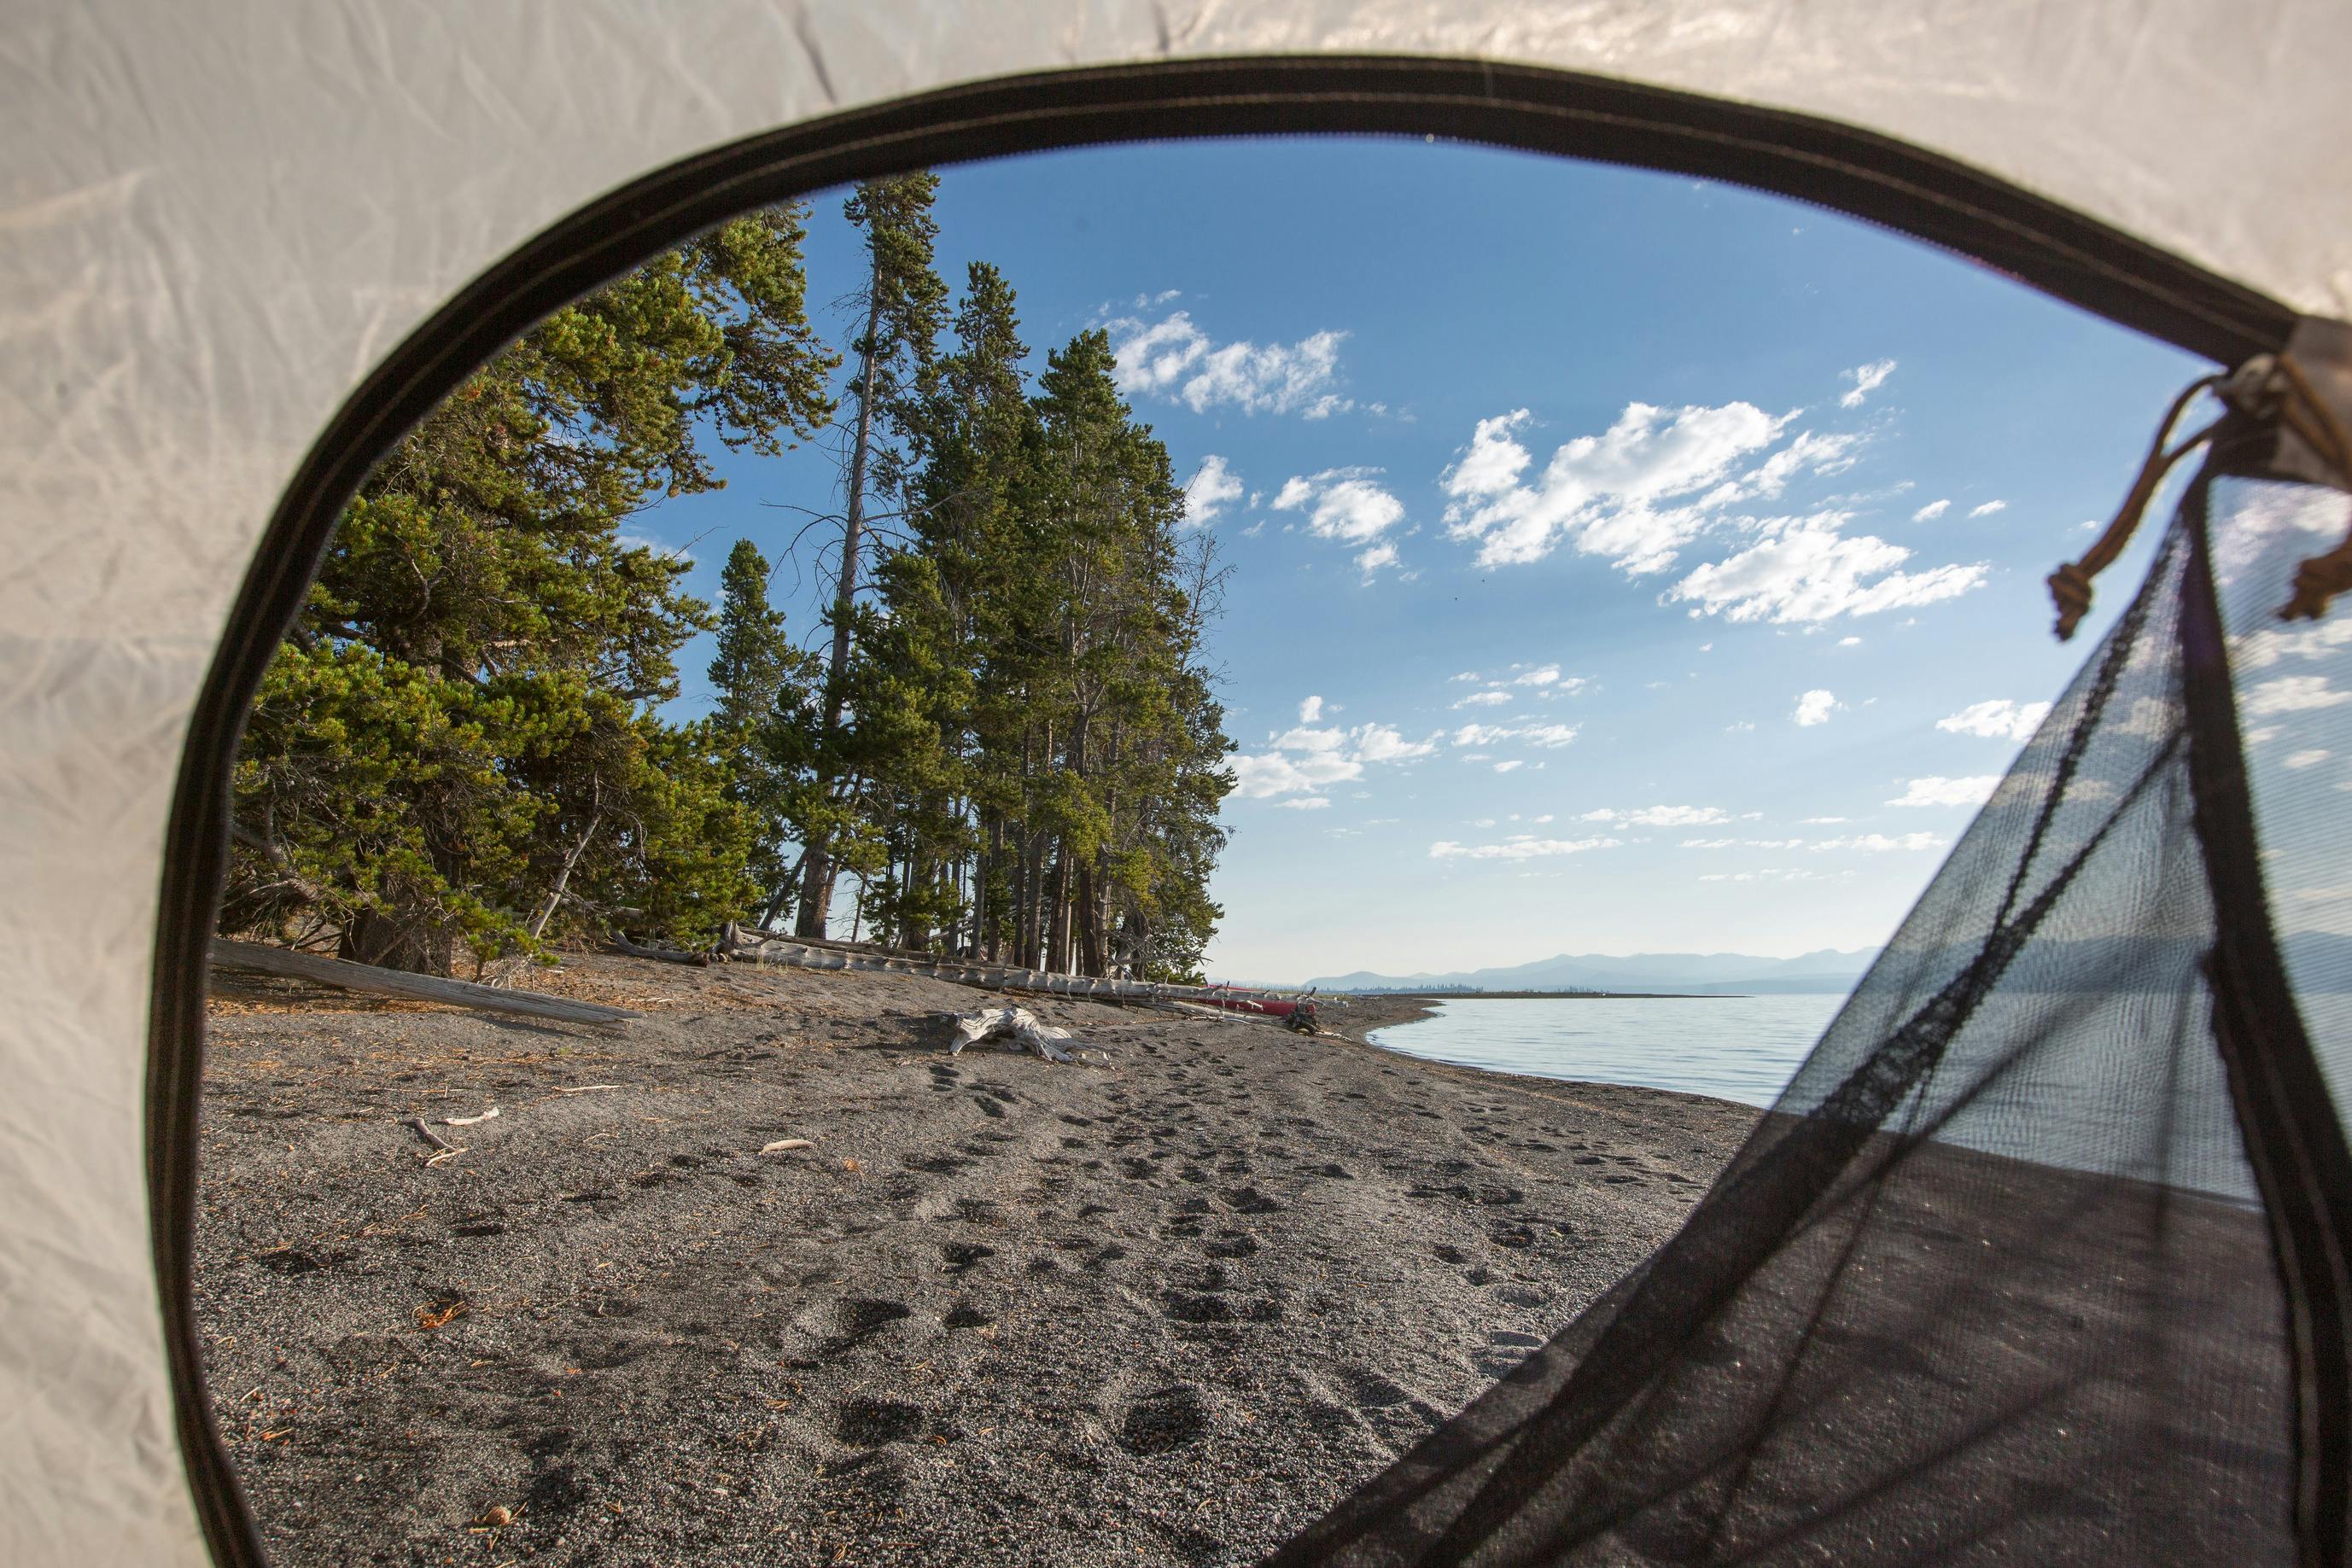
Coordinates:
<point>1006,743</point>
<point>458,751</point>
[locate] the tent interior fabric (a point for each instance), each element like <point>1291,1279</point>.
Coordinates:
<point>245,242</point>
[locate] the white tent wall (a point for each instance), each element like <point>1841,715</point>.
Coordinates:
<point>216,218</point>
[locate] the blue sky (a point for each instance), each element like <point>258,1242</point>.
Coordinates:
<point>1622,562</point>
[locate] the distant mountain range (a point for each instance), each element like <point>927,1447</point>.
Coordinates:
<point>2318,963</point>
<point>1827,972</point>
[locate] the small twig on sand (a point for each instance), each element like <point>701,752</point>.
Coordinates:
<point>586,1088</point>
<point>429,1136</point>
<point>784,1145</point>
<point>469,1121</point>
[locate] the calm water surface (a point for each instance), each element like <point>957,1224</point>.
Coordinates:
<point>1734,1048</point>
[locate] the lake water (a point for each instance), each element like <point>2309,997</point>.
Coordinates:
<point>1733,1048</point>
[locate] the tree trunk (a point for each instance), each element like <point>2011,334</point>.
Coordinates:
<point>563,878</point>
<point>398,941</point>
<point>816,890</point>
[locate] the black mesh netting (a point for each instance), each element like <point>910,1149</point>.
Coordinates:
<point>2036,1259</point>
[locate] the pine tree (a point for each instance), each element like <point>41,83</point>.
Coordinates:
<point>457,748</point>
<point>902,301</point>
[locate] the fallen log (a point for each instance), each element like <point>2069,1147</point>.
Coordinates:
<point>698,958</point>
<point>287,964</point>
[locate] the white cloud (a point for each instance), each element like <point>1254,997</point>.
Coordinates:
<point>1879,843</point>
<point>1661,816</point>
<point>1348,506</point>
<point>1849,642</point>
<point>2306,758</point>
<point>1463,675</point>
<point>1808,571</point>
<point>1815,708</point>
<point>1310,710</point>
<point>2261,650</point>
<point>1931,511</point>
<point>1743,726</point>
<point>1306,760</point>
<point>1370,561</point>
<point>1542,675</point>
<point>1823,821</point>
<point>1208,491</point>
<point>1989,508</point>
<point>1998,719</point>
<point>1508,767</point>
<point>1174,358</point>
<point>1867,378</point>
<point>1382,742</point>
<point>1518,847</point>
<point>1607,495</point>
<point>1484,699</point>
<point>627,540</point>
<point>2294,694</point>
<point>1709,844</point>
<point>1937,790</point>
<point>1550,736</point>
<point>1304,804</point>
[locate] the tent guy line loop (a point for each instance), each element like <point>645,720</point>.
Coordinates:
<point>2273,390</point>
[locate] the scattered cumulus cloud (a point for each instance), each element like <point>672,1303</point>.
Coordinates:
<point>1937,791</point>
<point>1369,561</point>
<point>1879,843</point>
<point>1931,511</point>
<point>1309,760</point>
<point>2312,758</point>
<point>1999,719</point>
<point>1806,569</point>
<point>1867,378</point>
<point>1518,847</point>
<point>1341,503</point>
<point>1210,490</point>
<point>2261,650</point>
<point>1551,736</point>
<point>1989,508</point>
<point>1628,494</point>
<point>1815,708</point>
<point>1509,766</point>
<point>1310,710</point>
<point>1174,358</point>
<point>1305,803</point>
<point>1493,698</point>
<point>2293,693</point>
<point>1660,816</point>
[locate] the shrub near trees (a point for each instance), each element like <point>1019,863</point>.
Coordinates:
<point>1010,747</point>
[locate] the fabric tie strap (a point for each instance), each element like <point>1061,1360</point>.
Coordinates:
<point>2272,389</point>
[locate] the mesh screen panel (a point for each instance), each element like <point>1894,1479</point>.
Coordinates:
<point>1997,1279</point>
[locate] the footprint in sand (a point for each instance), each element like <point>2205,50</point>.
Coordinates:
<point>1163,1421</point>
<point>963,1256</point>
<point>871,1423</point>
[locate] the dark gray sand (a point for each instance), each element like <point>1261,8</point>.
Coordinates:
<point>1001,1311</point>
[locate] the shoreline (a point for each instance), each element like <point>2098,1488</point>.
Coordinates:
<point>998,1310</point>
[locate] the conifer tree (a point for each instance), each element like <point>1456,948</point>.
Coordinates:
<point>458,748</point>
<point>902,301</point>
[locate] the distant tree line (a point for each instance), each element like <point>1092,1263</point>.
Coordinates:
<point>1005,742</point>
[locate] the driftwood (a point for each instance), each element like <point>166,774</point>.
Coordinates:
<point>1020,1023</point>
<point>290,965</point>
<point>699,959</point>
<point>429,1136</point>
<point>469,1121</point>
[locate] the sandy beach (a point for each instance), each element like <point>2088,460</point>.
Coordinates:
<point>1000,1311</point>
